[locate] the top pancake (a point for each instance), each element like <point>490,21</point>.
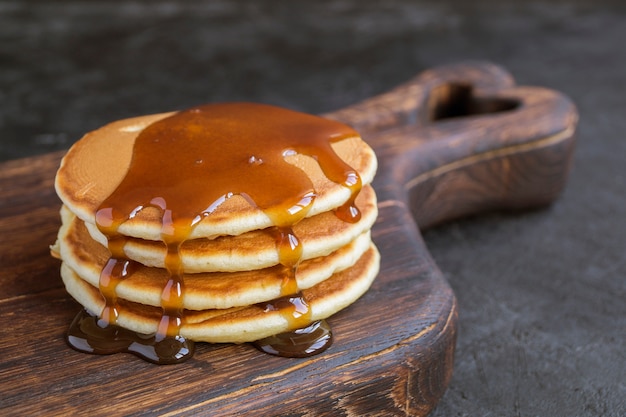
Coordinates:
<point>95,166</point>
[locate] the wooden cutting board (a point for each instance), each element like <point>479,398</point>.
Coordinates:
<point>454,141</point>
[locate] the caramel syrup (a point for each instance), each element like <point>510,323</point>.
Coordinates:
<point>186,166</point>
<point>300,343</point>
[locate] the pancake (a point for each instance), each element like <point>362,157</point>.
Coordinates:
<point>239,324</point>
<point>209,290</point>
<point>97,164</point>
<point>319,236</point>
<point>226,222</point>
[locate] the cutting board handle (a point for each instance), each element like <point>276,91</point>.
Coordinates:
<point>408,103</point>
<point>454,141</point>
<point>463,138</point>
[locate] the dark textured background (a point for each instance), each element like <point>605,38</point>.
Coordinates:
<point>542,294</point>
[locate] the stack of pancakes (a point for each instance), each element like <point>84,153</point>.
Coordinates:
<point>230,261</point>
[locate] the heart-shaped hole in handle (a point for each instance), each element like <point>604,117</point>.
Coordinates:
<point>452,100</point>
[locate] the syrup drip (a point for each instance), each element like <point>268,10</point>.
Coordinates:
<point>87,335</point>
<point>172,294</point>
<point>301,343</point>
<point>292,307</point>
<point>186,166</point>
<point>112,274</point>
<point>348,212</point>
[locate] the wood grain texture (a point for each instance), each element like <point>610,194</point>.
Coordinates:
<point>454,141</point>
